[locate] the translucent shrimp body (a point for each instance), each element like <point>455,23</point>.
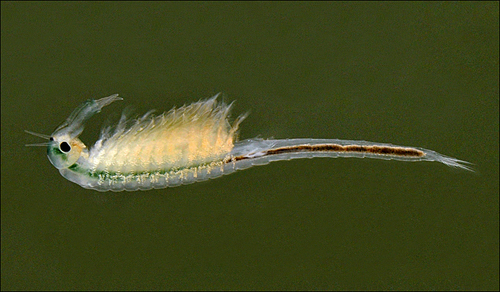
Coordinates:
<point>189,144</point>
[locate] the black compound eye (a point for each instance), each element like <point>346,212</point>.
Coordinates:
<point>64,146</point>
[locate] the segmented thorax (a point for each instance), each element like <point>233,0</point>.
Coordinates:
<point>189,136</point>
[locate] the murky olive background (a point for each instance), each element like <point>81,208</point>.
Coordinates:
<point>416,74</point>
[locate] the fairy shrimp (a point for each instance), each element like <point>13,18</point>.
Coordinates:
<point>192,143</point>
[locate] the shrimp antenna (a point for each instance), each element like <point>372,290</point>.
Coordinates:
<point>44,144</point>
<point>38,135</point>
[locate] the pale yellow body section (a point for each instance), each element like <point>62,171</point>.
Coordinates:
<point>189,136</point>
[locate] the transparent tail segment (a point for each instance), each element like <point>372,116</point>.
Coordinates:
<point>258,151</point>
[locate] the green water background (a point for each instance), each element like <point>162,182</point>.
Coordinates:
<point>416,74</point>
